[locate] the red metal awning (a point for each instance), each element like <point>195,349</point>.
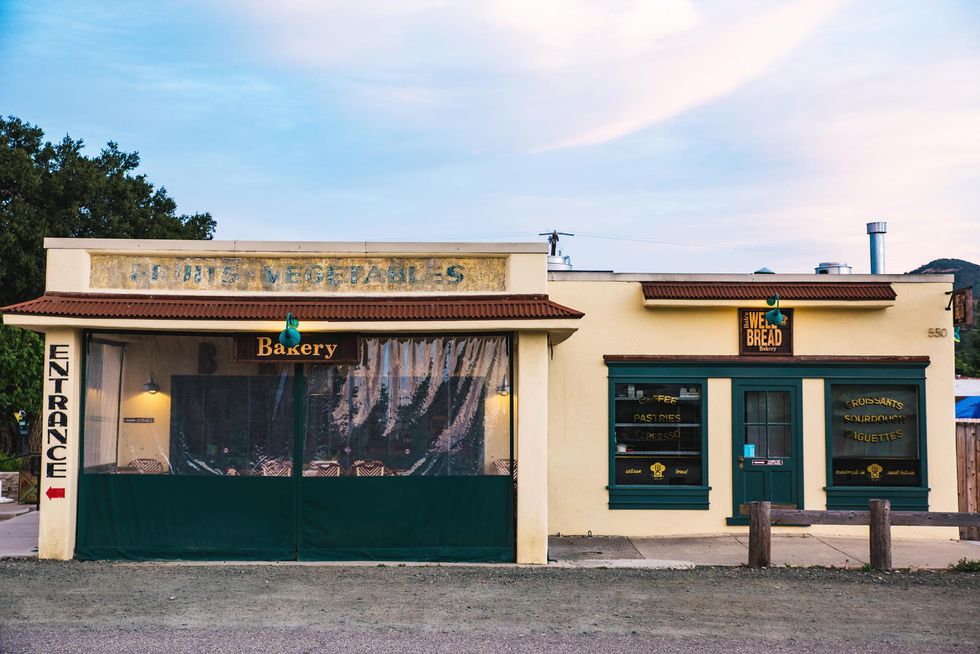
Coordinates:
<point>847,291</point>
<point>259,307</point>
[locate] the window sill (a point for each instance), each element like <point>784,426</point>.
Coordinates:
<point>659,497</point>
<point>743,521</point>
<point>856,498</point>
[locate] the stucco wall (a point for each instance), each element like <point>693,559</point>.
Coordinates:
<point>617,322</point>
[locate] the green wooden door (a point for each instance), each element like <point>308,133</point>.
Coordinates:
<point>767,418</point>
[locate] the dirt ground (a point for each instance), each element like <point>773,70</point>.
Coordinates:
<point>118,607</point>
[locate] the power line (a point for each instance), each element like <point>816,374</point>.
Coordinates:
<point>656,241</point>
<point>622,237</point>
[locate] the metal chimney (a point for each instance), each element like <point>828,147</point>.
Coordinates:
<point>877,233</point>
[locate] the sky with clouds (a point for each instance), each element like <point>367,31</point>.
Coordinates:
<point>667,135</point>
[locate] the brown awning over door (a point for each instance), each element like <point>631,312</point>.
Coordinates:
<point>833,291</point>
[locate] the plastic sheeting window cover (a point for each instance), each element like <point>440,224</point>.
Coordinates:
<point>412,406</point>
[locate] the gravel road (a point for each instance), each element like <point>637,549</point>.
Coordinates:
<point>118,607</point>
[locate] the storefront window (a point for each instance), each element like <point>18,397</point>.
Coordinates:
<point>232,424</point>
<point>874,435</point>
<point>186,405</point>
<point>421,406</point>
<point>162,404</point>
<point>658,434</point>
<point>657,441</point>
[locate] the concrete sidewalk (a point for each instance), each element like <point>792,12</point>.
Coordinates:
<point>802,550</point>
<point>18,534</point>
<point>18,538</point>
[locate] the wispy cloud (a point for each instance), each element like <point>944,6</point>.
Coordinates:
<point>774,127</point>
<point>539,75</point>
<point>696,67</point>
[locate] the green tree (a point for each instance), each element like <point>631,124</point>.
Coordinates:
<point>968,353</point>
<point>20,380</point>
<point>55,190</point>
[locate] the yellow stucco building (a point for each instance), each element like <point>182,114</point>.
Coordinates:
<point>458,401</point>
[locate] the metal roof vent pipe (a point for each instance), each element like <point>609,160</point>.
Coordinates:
<point>556,260</point>
<point>832,268</point>
<point>559,262</point>
<point>877,233</point>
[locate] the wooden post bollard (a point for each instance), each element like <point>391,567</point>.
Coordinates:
<point>760,535</point>
<point>881,535</point>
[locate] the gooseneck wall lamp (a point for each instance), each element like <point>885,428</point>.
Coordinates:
<point>151,387</point>
<point>290,336</point>
<point>774,316</point>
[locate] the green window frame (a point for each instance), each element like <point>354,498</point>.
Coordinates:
<point>664,495</point>
<point>856,497</point>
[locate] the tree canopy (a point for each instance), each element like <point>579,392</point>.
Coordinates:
<point>55,190</point>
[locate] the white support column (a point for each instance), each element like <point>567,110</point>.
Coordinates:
<point>60,445</point>
<point>531,405</point>
<point>814,464</point>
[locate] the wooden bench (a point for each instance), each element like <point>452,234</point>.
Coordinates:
<point>879,517</point>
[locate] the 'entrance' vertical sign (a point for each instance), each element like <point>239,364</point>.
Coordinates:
<point>59,444</point>
<point>57,372</point>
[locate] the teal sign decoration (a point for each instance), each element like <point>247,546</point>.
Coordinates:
<point>290,336</point>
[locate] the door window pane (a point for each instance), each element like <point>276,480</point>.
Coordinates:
<point>756,435</point>
<point>767,423</point>
<point>777,407</point>
<point>755,407</point>
<point>778,438</point>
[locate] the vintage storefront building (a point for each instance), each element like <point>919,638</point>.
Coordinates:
<point>457,401</point>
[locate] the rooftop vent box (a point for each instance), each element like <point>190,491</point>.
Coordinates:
<point>833,268</point>
<point>559,262</point>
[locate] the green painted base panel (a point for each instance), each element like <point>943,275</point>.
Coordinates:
<point>857,499</point>
<point>407,518</point>
<point>659,497</point>
<point>185,517</point>
<point>170,517</point>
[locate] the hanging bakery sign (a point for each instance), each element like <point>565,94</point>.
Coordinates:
<point>315,347</point>
<point>961,303</point>
<point>757,336</point>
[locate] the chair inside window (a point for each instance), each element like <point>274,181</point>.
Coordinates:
<point>502,467</point>
<point>276,468</point>
<point>147,466</point>
<point>368,468</point>
<point>324,469</point>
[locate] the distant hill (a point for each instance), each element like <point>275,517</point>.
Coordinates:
<point>965,273</point>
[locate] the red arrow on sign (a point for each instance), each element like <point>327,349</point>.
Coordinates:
<point>55,492</point>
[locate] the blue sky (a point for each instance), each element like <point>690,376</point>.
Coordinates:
<point>668,135</point>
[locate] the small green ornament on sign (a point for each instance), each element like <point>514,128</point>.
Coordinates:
<point>290,336</point>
